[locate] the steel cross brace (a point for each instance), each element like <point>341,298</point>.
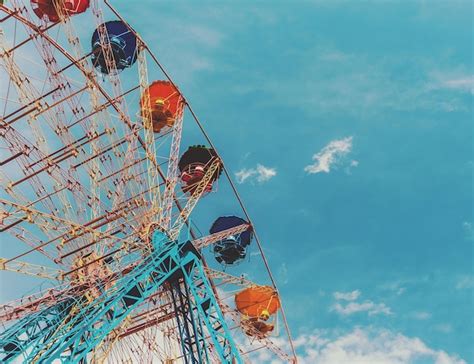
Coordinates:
<point>92,324</point>
<point>190,329</point>
<point>211,315</point>
<point>31,330</point>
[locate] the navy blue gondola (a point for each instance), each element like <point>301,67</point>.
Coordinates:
<point>234,248</point>
<point>123,44</point>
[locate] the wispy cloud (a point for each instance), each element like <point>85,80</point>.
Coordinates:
<point>205,35</point>
<point>370,307</point>
<point>401,285</point>
<point>454,80</point>
<point>468,230</point>
<point>466,83</point>
<point>465,282</point>
<point>353,164</point>
<point>352,307</point>
<point>186,43</point>
<point>333,80</point>
<point>283,273</point>
<point>259,174</point>
<point>396,287</point>
<point>347,296</point>
<point>444,328</point>
<point>330,155</point>
<point>421,315</point>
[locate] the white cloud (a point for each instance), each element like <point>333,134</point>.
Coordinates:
<point>203,34</point>
<point>402,285</point>
<point>457,79</point>
<point>400,291</point>
<point>465,282</point>
<point>444,328</point>
<point>370,307</point>
<point>396,286</point>
<point>331,154</point>
<point>361,346</point>
<point>463,84</point>
<point>468,230</point>
<point>264,173</point>
<point>351,307</point>
<point>259,174</point>
<point>244,174</point>
<point>347,296</point>
<point>421,315</point>
<point>353,164</point>
<point>283,273</point>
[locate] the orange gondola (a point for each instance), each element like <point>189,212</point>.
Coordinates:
<point>258,301</point>
<point>257,304</point>
<point>164,102</point>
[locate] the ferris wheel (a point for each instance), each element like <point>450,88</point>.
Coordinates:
<point>100,206</point>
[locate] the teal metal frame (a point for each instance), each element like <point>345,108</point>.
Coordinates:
<point>66,336</point>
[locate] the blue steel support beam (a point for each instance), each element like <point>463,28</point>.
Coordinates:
<point>190,329</point>
<point>32,330</point>
<point>211,314</point>
<point>85,330</point>
<point>74,336</point>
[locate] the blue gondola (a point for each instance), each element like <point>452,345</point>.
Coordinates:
<point>123,44</point>
<point>234,248</point>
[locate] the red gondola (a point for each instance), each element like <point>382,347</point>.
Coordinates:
<point>47,9</point>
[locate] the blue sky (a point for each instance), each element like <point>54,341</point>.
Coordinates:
<point>375,249</point>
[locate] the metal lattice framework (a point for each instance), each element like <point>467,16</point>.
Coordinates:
<point>91,206</point>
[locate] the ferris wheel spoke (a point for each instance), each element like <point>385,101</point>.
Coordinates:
<point>226,278</point>
<point>40,301</point>
<point>28,96</point>
<point>152,316</point>
<point>103,349</point>
<point>69,186</point>
<point>172,173</point>
<point>221,235</point>
<point>124,352</point>
<point>115,103</point>
<point>57,77</point>
<point>33,303</point>
<point>118,95</point>
<point>31,269</point>
<point>29,239</point>
<point>146,117</point>
<point>149,347</point>
<point>68,230</point>
<point>114,79</point>
<point>49,163</point>
<point>36,302</point>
